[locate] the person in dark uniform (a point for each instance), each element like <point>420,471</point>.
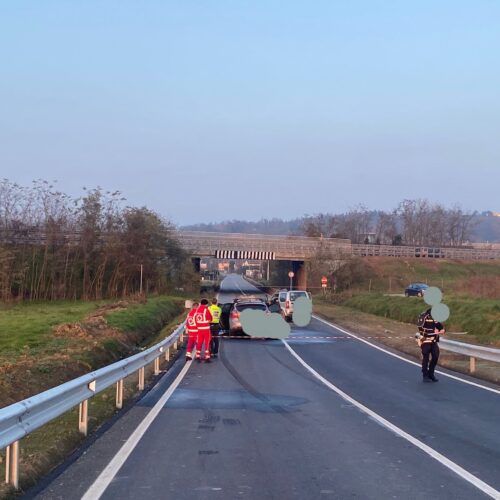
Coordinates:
<point>216,312</point>
<point>429,329</point>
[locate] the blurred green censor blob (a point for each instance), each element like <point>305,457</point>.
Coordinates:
<point>433,296</point>
<point>272,326</point>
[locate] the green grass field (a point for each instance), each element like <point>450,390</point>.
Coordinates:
<point>480,318</point>
<point>34,358</point>
<point>471,291</point>
<point>29,326</point>
<point>148,318</point>
<point>454,277</point>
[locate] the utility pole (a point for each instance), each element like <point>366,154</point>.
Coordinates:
<point>140,289</point>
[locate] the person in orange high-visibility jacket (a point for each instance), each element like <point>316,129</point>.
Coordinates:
<point>191,330</point>
<point>203,319</point>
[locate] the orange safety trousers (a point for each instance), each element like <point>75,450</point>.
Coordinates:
<point>204,337</point>
<point>192,338</point>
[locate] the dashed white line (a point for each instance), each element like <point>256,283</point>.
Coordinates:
<point>460,471</point>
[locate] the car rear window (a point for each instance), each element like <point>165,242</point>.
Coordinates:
<point>255,307</point>
<point>282,297</point>
<point>296,295</point>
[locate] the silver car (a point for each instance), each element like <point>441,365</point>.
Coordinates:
<point>287,298</point>
<point>239,306</point>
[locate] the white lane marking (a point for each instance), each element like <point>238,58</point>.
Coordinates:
<point>475,481</point>
<point>454,377</point>
<point>102,482</point>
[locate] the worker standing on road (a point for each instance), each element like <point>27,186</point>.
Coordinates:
<point>429,330</point>
<point>216,312</point>
<point>191,330</point>
<point>203,319</point>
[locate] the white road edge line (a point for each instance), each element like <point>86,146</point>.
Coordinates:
<point>361,339</point>
<point>475,481</point>
<point>107,475</point>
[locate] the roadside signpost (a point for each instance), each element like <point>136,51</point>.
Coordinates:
<point>291,274</point>
<point>324,283</point>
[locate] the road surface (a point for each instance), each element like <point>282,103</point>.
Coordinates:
<point>234,286</point>
<point>257,423</point>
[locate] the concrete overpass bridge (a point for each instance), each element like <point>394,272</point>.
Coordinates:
<point>296,249</point>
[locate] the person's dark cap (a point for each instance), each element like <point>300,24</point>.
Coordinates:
<point>204,302</point>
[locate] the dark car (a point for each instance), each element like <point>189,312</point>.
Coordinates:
<point>230,317</point>
<point>416,289</point>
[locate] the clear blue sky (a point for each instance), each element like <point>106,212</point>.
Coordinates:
<point>209,110</point>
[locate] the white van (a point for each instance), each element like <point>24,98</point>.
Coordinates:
<point>286,299</point>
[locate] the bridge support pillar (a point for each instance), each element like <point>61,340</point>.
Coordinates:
<point>196,264</point>
<point>300,278</point>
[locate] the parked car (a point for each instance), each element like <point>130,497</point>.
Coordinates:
<point>286,299</point>
<point>416,289</point>
<point>243,304</point>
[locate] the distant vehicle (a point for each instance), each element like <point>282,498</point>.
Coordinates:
<point>286,298</point>
<point>240,305</point>
<point>416,289</point>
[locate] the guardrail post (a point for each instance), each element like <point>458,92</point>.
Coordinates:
<point>12,465</point>
<point>141,379</point>
<point>119,394</point>
<point>472,364</point>
<point>181,337</point>
<point>157,366</point>
<point>83,417</point>
<point>175,345</point>
<point>167,354</point>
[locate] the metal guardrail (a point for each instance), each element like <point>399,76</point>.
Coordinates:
<point>473,351</point>
<point>20,419</point>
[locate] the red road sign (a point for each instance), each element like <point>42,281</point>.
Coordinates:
<point>324,280</point>
<point>291,274</point>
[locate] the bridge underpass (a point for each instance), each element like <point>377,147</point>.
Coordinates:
<point>236,246</point>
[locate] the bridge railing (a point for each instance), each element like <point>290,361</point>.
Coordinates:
<point>20,419</point>
<point>425,252</point>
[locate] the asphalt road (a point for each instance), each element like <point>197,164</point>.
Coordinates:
<point>256,424</point>
<point>234,286</point>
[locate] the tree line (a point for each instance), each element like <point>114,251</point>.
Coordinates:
<point>413,222</point>
<point>54,246</point>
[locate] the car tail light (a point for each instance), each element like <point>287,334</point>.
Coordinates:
<point>235,315</point>
<point>287,304</point>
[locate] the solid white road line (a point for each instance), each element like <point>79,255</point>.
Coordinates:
<point>475,481</point>
<point>361,339</point>
<point>102,482</point>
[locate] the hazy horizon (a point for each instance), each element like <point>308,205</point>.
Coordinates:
<point>250,110</point>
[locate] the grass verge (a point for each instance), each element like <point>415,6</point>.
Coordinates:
<point>480,318</point>
<point>106,333</point>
